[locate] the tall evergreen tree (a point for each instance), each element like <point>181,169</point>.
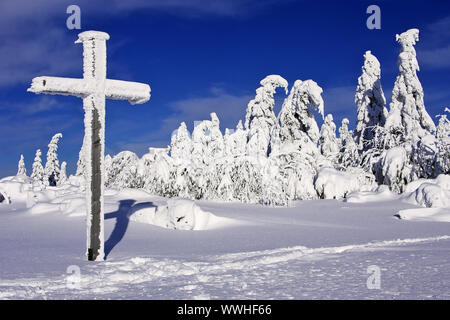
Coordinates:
<point>328,143</point>
<point>408,120</point>
<point>52,170</point>
<point>260,117</point>
<point>370,101</point>
<point>38,171</point>
<point>21,170</point>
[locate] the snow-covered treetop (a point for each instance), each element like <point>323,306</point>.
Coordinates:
<point>296,114</point>
<point>274,81</point>
<point>262,105</point>
<point>239,126</point>
<point>311,94</point>
<point>408,39</point>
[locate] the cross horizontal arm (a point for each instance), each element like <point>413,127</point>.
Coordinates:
<point>64,86</point>
<point>134,92</point>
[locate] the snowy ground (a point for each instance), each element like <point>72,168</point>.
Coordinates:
<point>315,249</point>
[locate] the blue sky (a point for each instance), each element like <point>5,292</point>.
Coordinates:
<point>198,57</point>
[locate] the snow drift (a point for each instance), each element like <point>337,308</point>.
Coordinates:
<point>179,213</point>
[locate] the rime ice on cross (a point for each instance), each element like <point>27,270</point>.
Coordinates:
<point>93,89</point>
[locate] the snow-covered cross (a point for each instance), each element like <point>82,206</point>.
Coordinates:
<point>93,89</point>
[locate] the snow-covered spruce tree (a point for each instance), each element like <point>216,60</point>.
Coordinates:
<point>52,169</point>
<point>207,141</point>
<point>38,171</point>
<point>246,175</point>
<point>260,117</point>
<point>21,170</point>
<point>443,144</point>
<point>293,142</point>
<point>181,144</point>
<point>236,142</point>
<point>63,174</point>
<point>107,164</point>
<point>431,154</point>
<point>395,168</point>
<point>225,188</point>
<point>328,143</point>
<point>122,172</point>
<point>273,184</point>
<point>407,120</point>
<point>158,172</point>
<point>296,118</point>
<point>216,146</point>
<point>348,150</point>
<point>370,101</point>
<point>81,164</point>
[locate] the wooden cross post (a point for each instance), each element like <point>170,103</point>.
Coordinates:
<point>93,89</point>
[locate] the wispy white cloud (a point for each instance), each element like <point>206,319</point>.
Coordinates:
<point>435,58</point>
<point>436,39</point>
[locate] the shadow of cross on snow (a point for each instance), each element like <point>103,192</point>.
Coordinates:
<point>122,216</point>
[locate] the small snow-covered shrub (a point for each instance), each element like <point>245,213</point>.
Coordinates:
<point>395,168</point>
<point>333,184</point>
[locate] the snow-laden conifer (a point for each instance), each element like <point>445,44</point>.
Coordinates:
<point>52,170</point>
<point>38,171</point>
<point>260,117</point>
<point>63,174</point>
<point>328,143</point>
<point>408,119</point>
<point>370,102</point>
<point>21,170</point>
<point>296,118</point>
<point>181,144</point>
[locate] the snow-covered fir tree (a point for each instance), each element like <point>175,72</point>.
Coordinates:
<point>294,143</point>
<point>348,150</point>
<point>156,172</point>
<point>260,117</point>
<point>296,118</point>
<point>52,169</point>
<point>207,141</point>
<point>21,170</point>
<point>38,170</point>
<point>63,174</point>
<point>236,142</point>
<point>443,144</point>
<point>370,102</point>
<point>81,164</point>
<point>407,120</point>
<point>181,144</point>
<point>328,143</point>
<point>122,172</point>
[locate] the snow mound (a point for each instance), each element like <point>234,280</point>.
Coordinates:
<point>16,189</point>
<point>431,193</point>
<point>382,193</point>
<point>425,214</point>
<point>333,184</point>
<point>181,214</point>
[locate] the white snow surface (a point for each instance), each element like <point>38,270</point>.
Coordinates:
<point>318,249</point>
